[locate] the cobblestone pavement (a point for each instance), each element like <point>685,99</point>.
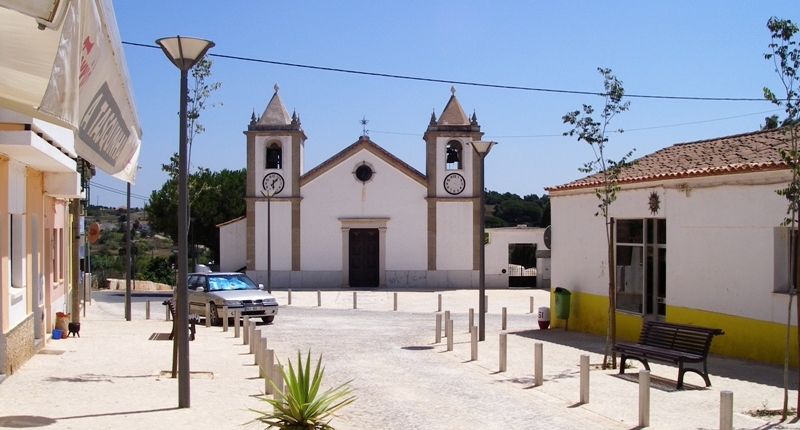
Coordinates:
<point>113,376</point>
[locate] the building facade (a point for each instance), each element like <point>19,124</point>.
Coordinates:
<point>697,240</point>
<point>38,177</point>
<point>363,218</point>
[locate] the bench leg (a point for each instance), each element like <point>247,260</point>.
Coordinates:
<point>682,371</point>
<point>191,330</point>
<point>624,357</point>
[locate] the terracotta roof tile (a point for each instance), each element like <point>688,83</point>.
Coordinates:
<point>739,153</point>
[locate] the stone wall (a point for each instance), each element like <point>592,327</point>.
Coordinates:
<point>119,284</point>
<point>18,345</point>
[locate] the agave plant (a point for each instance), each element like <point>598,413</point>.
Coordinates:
<point>301,405</point>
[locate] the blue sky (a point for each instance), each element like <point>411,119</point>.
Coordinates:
<point>677,48</point>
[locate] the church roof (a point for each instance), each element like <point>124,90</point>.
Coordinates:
<point>741,153</point>
<point>453,114</point>
<point>363,143</point>
<point>275,113</point>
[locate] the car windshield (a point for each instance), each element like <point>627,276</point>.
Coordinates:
<point>232,282</point>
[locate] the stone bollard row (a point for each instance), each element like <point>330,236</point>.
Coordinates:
<point>448,328</point>
<point>236,315</point>
<point>224,318</point>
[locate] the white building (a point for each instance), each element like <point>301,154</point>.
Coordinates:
<point>710,206</point>
<point>363,218</point>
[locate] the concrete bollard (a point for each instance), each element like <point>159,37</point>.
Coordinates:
<point>251,332</point>
<point>474,351</point>
<point>532,308</point>
<point>355,300</point>
<point>319,298</point>
<point>236,316</point>
<point>169,314</point>
<point>278,382</point>
<point>290,296</point>
<point>269,369</point>
<point>208,314</point>
<point>448,328</point>
<point>504,319</point>
<point>262,354</point>
<point>438,336</point>
<point>644,398</point>
<point>538,365</point>
<point>584,379</point>
<point>256,344</point>
<point>486,304</point>
<point>471,318</point>
<point>439,309</point>
<point>395,302</point>
<point>503,352</point>
<point>246,330</point>
<point>446,318</point>
<point>224,318</point>
<point>147,310</point>
<point>726,410</point>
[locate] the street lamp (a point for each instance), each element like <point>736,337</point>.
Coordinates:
<point>184,52</point>
<point>482,149</point>
<point>268,194</point>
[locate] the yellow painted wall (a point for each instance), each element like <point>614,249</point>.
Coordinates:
<point>744,337</point>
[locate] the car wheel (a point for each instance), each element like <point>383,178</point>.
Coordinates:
<point>213,315</point>
<point>268,319</point>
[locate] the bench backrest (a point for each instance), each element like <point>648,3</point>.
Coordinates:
<point>678,337</point>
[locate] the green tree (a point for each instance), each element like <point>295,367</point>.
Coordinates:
<point>594,132</point>
<point>157,269</point>
<point>785,55</point>
<point>216,197</point>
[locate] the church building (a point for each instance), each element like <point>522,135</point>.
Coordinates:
<point>362,218</point>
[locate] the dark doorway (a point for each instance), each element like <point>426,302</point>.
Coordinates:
<point>522,265</point>
<point>364,258</point>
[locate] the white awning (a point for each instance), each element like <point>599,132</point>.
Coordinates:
<point>62,61</point>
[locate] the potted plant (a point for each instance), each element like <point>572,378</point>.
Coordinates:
<point>301,405</point>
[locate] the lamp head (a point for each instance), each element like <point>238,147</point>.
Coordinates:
<point>184,52</point>
<point>482,147</point>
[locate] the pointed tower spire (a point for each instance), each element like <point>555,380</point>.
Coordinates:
<point>433,118</point>
<point>275,113</point>
<point>453,114</point>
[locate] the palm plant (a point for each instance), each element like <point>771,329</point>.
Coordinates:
<point>301,405</point>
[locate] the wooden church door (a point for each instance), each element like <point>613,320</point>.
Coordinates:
<point>364,258</point>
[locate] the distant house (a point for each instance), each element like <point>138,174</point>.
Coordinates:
<point>697,240</point>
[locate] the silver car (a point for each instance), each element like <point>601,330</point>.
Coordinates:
<point>234,290</point>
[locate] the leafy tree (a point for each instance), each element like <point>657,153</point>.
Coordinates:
<point>785,54</point>
<point>594,133</point>
<point>157,269</point>
<point>216,197</point>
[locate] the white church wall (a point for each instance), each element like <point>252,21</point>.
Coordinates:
<point>232,246</point>
<point>454,244</point>
<point>336,195</point>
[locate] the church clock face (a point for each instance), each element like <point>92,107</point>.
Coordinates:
<point>273,183</point>
<point>454,183</point>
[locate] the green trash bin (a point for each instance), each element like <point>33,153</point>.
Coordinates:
<point>562,303</point>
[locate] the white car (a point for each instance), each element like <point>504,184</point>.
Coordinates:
<point>232,289</point>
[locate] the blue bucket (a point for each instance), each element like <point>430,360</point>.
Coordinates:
<point>57,333</point>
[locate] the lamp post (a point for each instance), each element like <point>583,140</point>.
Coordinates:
<point>268,194</point>
<point>482,149</point>
<point>184,52</point>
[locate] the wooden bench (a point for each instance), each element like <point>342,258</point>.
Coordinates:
<point>193,318</point>
<point>679,344</point>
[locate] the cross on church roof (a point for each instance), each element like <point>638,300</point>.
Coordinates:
<point>364,122</point>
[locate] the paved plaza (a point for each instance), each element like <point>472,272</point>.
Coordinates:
<point>115,376</point>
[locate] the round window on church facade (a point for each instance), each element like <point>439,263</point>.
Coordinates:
<point>364,173</point>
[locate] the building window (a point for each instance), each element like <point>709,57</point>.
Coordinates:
<point>784,268</point>
<point>454,154</point>
<point>364,172</point>
<point>17,255</point>
<point>274,156</point>
<point>641,265</point>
